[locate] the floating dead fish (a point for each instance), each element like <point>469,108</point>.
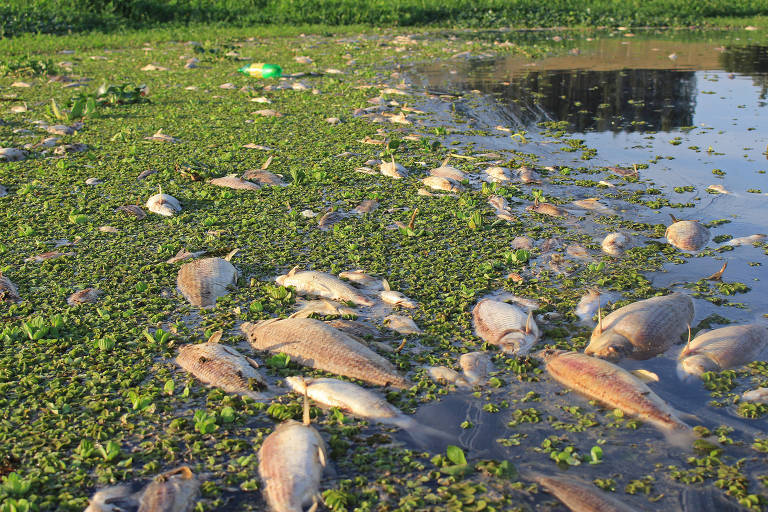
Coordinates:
<point>394,298</point>
<point>580,497</point>
<point>594,204</point>
<point>163,204</point>
<point>579,252</point>
<point>159,136</point>
<point>303,59</point>
<point>114,499</point>
<point>614,386</point>
<point>606,184</point>
<point>498,174</point>
<point>21,84</point>
<point>228,86</point>
<point>476,367</point>
<point>587,306</point>
<point>614,244</point>
<point>60,129</point>
<point>183,254</point>
<point>48,256</point>
<point>267,112</point>
<point>174,491</point>
<point>444,184</point>
<point>323,307</point>
<point>547,209</point>
<point>233,181</point>
<point>393,170</point>
<point>223,367</point>
<point>522,242</point>
<point>84,296</point>
<point>264,178</point>
<point>324,285</point>
<point>108,229</point>
<point>687,235</point>
<point>146,173</point>
<point>645,375</point>
<point>360,278</point>
<point>744,240</point>
<point>8,290</point>
<point>527,175</point>
<point>718,189</point>
<point>447,171</point>
<point>134,210</point>
<point>308,214</point>
<point>445,375</point>
<point>367,206</point>
<point>402,324</point>
<point>505,325</point>
<point>12,155</point>
<point>327,221</point>
<point>70,148</point>
<point>291,464</point>
<point>203,281</point>
<point>371,140</point>
<point>722,349</point>
<point>333,120</point>
<point>318,345</point>
<point>93,182</point>
<point>643,329</point>
<point>621,171</point>
<point>759,395</point>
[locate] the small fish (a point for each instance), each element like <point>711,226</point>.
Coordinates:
<point>579,252</point>
<point>402,324</point>
<point>614,244</point>
<point>12,155</point>
<point>322,307</point>
<point>744,240</point>
<point>291,464</point>
<point>133,209</point>
<point>8,290</point>
<point>159,136</point>
<point>114,499</point>
<point>502,207</point>
<point>547,209</point>
<point>360,278</point>
<point>722,349</point>
<point>718,189</point>
<point>184,254</point>
<point>154,67</point>
<point>527,175</point>
<point>367,206</point>
<point>222,367</point>
<point>687,235</point>
<point>759,395</point>
<point>476,367</point>
<point>48,256</point>
<point>621,171</point>
<point>580,497</point>
<point>203,281</point>
<point>505,325</point>
<point>447,171</point>
<point>327,221</point>
<point>108,229</point>
<point>61,129</point>
<point>614,386</point>
<point>522,242</point>
<point>396,298</point>
<point>264,178</point>
<point>587,307</point>
<point>233,181</point>
<point>163,204</point>
<point>84,296</point>
<point>594,204</point>
<point>498,174</point>
<point>318,345</point>
<point>393,170</point>
<point>643,329</point>
<point>445,375</point>
<point>174,491</point>
<point>444,184</point>
<point>324,285</point>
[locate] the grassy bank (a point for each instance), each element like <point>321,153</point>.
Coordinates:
<point>61,16</point>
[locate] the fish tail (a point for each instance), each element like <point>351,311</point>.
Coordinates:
<point>680,435</point>
<point>423,435</point>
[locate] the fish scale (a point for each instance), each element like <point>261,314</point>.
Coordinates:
<point>222,367</point>
<point>203,281</point>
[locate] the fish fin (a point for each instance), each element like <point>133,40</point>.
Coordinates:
<point>231,254</point>
<point>445,162</point>
<point>160,187</point>
<point>645,375</point>
<point>293,271</point>
<point>322,456</point>
<point>599,315</point>
<point>385,285</point>
<point>528,322</point>
<point>717,276</point>
<point>315,504</point>
<point>265,165</point>
<point>215,337</point>
<point>305,417</point>
<point>685,351</point>
<point>674,219</point>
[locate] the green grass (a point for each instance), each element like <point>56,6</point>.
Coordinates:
<point>60,16</point>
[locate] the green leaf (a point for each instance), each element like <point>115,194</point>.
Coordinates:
<point>455,455</point>
<point>77,109</point>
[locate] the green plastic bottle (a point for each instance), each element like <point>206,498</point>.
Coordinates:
<point>261,70</point>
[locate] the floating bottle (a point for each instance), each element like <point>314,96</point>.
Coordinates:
<point>261,70</point>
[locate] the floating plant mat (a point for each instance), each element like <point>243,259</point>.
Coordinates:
<point>90,395</point>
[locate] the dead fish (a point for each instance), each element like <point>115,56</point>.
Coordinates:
<point>159,136</point>
<point>233,181</point>
<point>108,229</point>
<point>322,284</point>
<point>579,252</point>
<point>61,129</point>
<point>12,155</point>
<point>354,328</point>
<point>396,298</point>
<point>163,204</point>
<point>502,207</point>
<point>614,244</point>
<point>687,235</point>
<point>8,290</point>
<point>393,170</point>
<point>174,491</point>
<point>445,375</point>
<point>322,307</point>
<point>505,325</point>
<point>722,349</point>
<point>527,175</point>
<point>48,256</point>
<point>327,221</point>
<point>447,171</point>
<point>203,281</point>
<point>444,184</point>
<point>222,367</point>
<point>643,329</point>
<point>547,209</point>
<point>367,206</point>
<point>133,209</point>
<point>718,189</point>
<point>580,497</point>
<point>756,395</point>
<point>360,278</point>
<point>154,67</point>
<point>476,367</point>
<point>402,324</point>
<point>744,240</point>
<point>113,499</point>
<point>587,307</point>
<point>617,388</point>
<point>593,204</point>
<point>291,464</point>
<point>93,182</point>
<point>70,148</point>
<point>84,296</point>
<point>267,112</point>
<point>264,178</point>
<point>184,254</point>
<point>498,174</point>
<point>621,171</point>
<point>522,242</point>
<point>318,345</point>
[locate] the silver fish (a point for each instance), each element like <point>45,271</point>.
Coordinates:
<point>324,285</point>
<point>323,307</point>
<point>722,349</point>
<point>505,325</point>
<point>396,298</point>
<point>498,174</point>
<point>233,181</point>
<point>264,178</point>
<point>360,278</point>
<point>744,240</point>
<point>614,244</point>
<point>447,171</point>
<point>203,281</point>
<point>393,170</point>
<point>580,497</point>
<point>367,206</point>
<point>163,204</point>
<point>444,184</point>
<point>476,367</point>
<point>402,324</point>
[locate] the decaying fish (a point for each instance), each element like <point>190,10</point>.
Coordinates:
<point>322,307</point>
<point>324,285</point>
<point>498,174</point>
<point>163,204</point>
<point>547,209</point>
<point>233,181</point>
<point>476,367</point>
<point>614,386</point>
<point>687,235</point>
<point>502,207</point>
<point>718,189</point>
<point>222,367</point>
<point>134,210</point>
<point>327,221</point>
<point>291,464</point>
<point>505,325</point>
<point>184,254</point>
<point>759,395</point>
<point>113,499</point>
<point>84,296</point>
<point>447,171</point>
<point>445,375</point>
<point>527,175</point>
<point>203,281</point>
<point>264,178</point>
<point>360,278</point>
<point>366,206</point>
<point>722,349</point>
<point>615,244</point>
<point>744,240</point>
<point>595,205</point>
<point>318,345</point>
<point>580,497</point>
<point>579,252</point>
<point>441,183</point>
<point>48,256</point>
<point>643,329</point>
<point>8,290</point>
<point>12,155</point>
<point>393,170</point>
<point>402,324</point>
<point>522,242</point>
<point>396,298</point>
<point>174,491</point>
<point>588,305</point>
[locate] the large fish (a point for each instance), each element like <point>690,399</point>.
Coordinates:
<point>505,325</point>
<point>318,345</point>
<point>203,281</point>
<point>324,285</point>
<point>687,235</point>
<point>174,491</point>
<point>163,204</point>
<point>643,329</point>
<point>722,349</point>
<point>291,463</point>
<point>223,367</point>
<point>617,388</point>
<point>580,497</point>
